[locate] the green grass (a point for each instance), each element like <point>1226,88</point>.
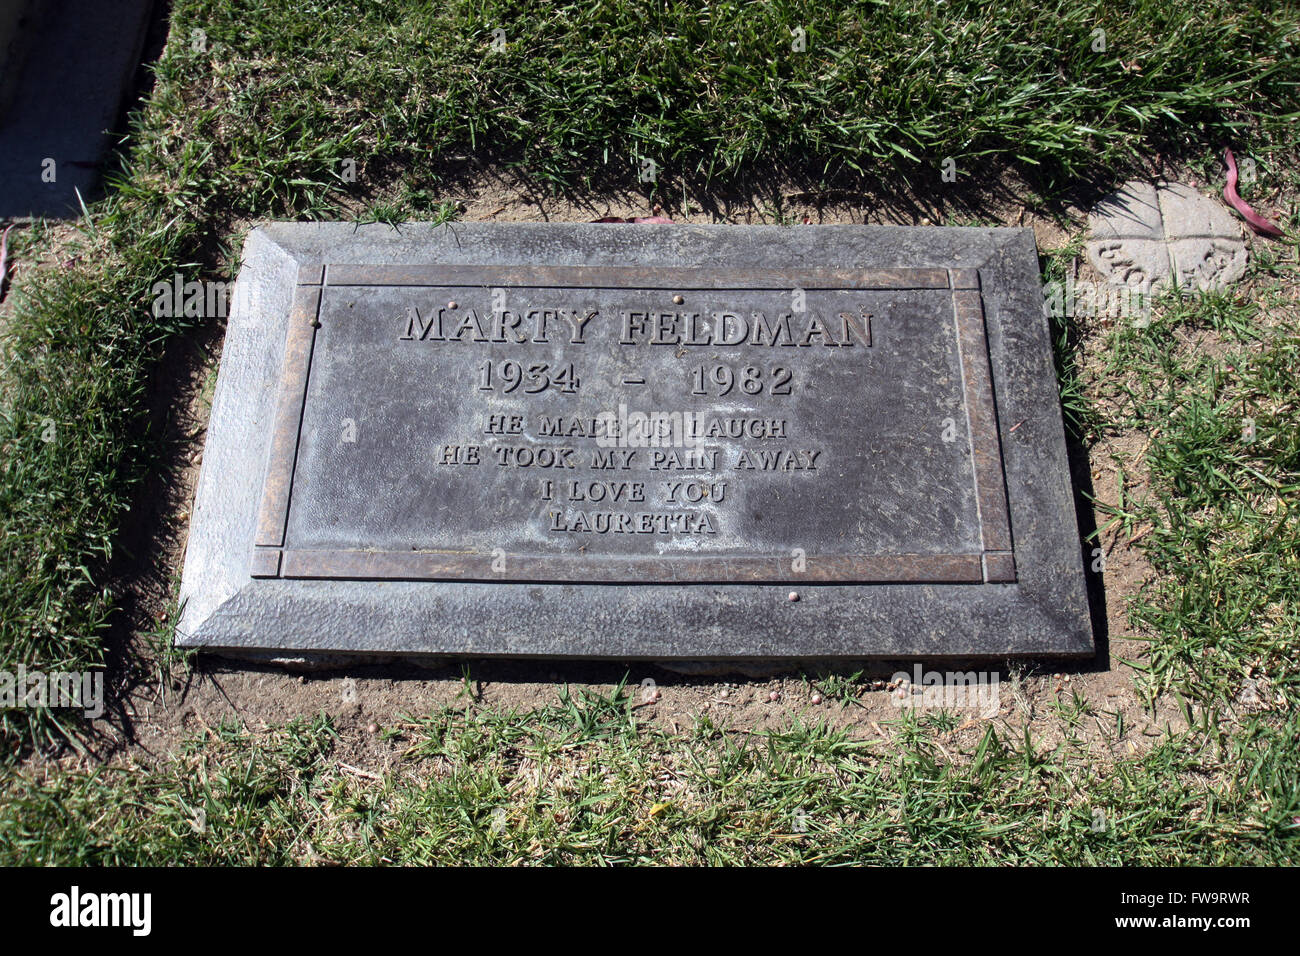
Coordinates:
<point>1226,538</point>
<point>259,123</point>
<point>581,92</point>
<point>580,782</point>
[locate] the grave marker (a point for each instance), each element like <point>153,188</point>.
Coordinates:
<point>636,442</point>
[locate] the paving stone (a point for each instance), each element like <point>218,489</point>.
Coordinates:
<point>1131,262</point>
<point>1208,264</point>
<point>1154,233</point>
<point>1189,214</point>
<point>1131,213</point>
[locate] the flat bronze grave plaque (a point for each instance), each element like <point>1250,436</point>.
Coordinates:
<point>636,442</point>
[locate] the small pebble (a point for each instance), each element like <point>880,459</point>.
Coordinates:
<point>372,728</point>
<point>678,300</point>
<point>816,698</point>
<point>773,696</point>
<point>794,595</point>
<point>451,305</point>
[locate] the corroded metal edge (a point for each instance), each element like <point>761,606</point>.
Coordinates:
<point>299,341</point>
<point>982,421</point>
<point>681,569</point>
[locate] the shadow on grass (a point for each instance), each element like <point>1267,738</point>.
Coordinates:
<point>981,195</point>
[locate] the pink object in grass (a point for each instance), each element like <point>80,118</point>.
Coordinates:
<point>1256,221</point>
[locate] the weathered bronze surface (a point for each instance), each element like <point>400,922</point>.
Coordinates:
<point>611,424</point>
